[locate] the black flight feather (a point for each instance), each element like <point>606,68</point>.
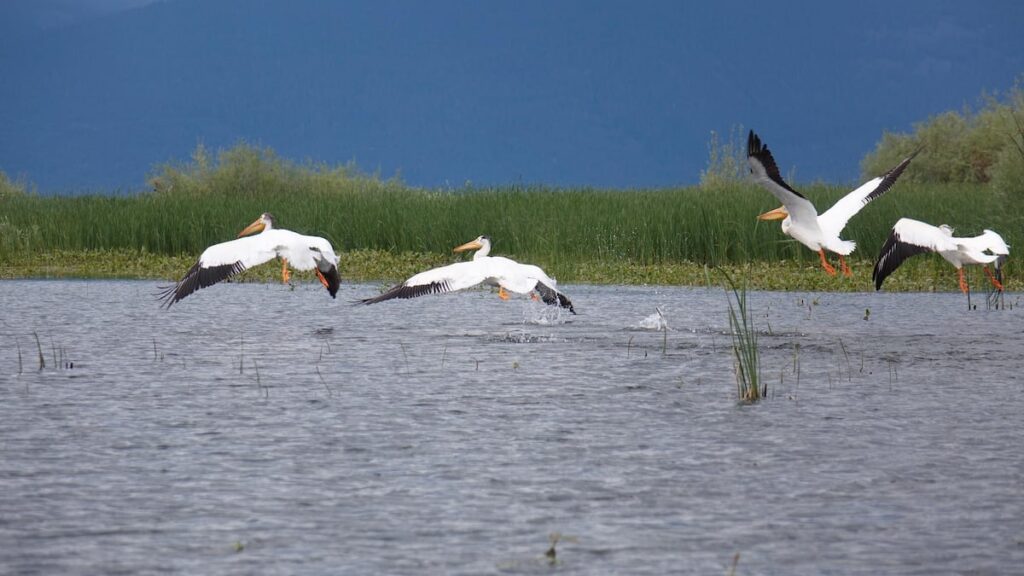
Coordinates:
<point>404,291</point>
<point>893,253</point>
<point>198,278</point>
<point>553,297</point>
<point>760,152</point>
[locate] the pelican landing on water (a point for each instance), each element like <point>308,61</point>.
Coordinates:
<point>911,237</point>
<point>800,220</point>
<point>497,271</point>
<point>221,261</point>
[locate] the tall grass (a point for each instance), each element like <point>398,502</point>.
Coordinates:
<point>207,201</point>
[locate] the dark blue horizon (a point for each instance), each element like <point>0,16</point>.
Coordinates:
<point>604,94</point>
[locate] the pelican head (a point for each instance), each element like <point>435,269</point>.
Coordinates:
<point>264,222</point>
<point>482,244</point>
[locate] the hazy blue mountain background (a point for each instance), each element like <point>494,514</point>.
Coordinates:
<point>94,93</point>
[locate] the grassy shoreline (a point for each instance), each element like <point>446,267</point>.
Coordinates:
<point>922,274</point>
<point>386,231</point>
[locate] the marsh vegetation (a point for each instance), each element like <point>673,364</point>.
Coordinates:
<point>579,235</point>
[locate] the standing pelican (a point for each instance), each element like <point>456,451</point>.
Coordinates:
<point>492,270</point>
<point>221,261</point>
<point>801,220</point>
<point>910,237</point>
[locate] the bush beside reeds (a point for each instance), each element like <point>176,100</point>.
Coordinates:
<point>978,146</point>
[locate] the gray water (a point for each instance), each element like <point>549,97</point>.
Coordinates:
<point>257,429</point>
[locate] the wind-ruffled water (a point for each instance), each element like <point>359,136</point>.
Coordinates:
<point>257,429</point>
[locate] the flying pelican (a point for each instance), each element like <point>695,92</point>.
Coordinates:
<point>910,237</point>
<point>221,261</point>
<point>492,270</point>
<point>800,219</point>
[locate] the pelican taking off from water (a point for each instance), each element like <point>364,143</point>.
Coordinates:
<point>221,261</point>
<point>498,271</point>
<point>800,220</point>
<point>910,237</point>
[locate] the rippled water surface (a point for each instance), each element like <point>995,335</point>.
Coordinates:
<point>257,429</point>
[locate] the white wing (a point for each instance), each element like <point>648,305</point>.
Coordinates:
<point>909,238</point>
<point>248,252</point>
<point>833,220</point>
<point>513,276</point>
<point>450,278</point>
<point>525,278</point>
<point>220,262</point>
<point>987,241</point>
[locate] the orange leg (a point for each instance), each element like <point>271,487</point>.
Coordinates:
<point>996,283</point>
<point>285,274</point>
<point>501,293</point>
<point>963,282</point>
<point>824,263</point>
<point>846,269</point>
<point>323,280</point>
<point>534,297</point>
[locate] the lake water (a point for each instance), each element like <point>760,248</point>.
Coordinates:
<point>257,429</point>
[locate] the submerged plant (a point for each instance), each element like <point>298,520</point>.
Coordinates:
<point>749,387</point>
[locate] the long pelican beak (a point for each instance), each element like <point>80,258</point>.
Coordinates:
<point>256,226</point>
<point>777,214</point>
<point>471,245</point>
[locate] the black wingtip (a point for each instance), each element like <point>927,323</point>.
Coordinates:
<point>754,146</point>
<point>405,291</point>
<point>553,297</point>
<point>198,278</point>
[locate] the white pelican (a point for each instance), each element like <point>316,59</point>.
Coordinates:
<point>221,261</point>
<point>910,237</point>
<point>492,270</point>
<point>801,219</point>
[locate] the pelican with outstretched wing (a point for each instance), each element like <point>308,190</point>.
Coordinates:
<point>222,261</point>
<point>498,271</point>
<point>911,237</point>
<point>800,220</point>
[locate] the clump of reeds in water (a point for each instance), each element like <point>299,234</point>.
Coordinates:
<point>749,387</point>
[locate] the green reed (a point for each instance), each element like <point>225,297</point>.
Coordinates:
<point>204,202</point>
<point>746,354</point>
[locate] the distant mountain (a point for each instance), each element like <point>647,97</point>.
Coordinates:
<point>615,94</point>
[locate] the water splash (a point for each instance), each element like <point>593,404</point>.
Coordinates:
<point>655,322</point>
<point>544,315</point>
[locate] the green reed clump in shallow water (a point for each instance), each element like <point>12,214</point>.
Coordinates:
<point>746,355</point>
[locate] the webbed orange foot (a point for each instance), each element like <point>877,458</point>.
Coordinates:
<point>824,263</point>
<point>845,268</point>
<point>285,274</point>
<point>996,283</point>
